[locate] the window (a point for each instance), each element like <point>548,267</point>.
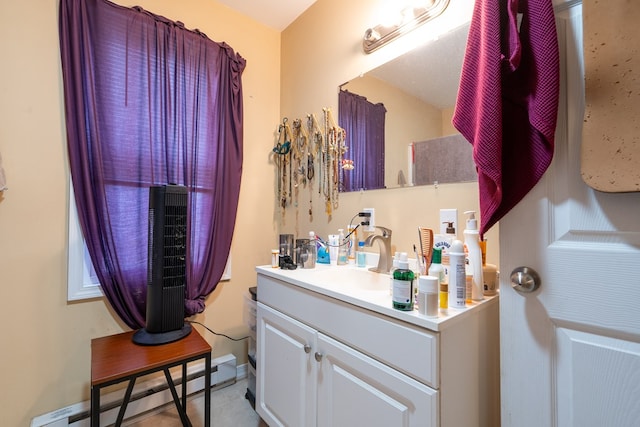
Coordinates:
<point>82,282</point>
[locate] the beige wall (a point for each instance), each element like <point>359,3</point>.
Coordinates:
<point>323,49</point>
<point>46,341</point>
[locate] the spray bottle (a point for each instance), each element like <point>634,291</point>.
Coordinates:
<point>472,241</point>
<point>457,276</point>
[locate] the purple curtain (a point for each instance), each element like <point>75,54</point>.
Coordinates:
<point>149,102</point>
<point>364,124</point>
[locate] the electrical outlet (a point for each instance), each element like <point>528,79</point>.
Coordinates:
<point>446,216</point>
<point>372,219</point>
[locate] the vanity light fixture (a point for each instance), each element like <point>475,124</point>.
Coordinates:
<point>409,18</point>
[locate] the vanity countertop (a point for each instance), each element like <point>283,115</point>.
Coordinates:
<point>368,290</point>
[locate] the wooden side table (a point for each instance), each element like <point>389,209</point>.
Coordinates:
<point>116,358</point>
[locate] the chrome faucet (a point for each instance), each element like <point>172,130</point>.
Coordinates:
<point>384,260</point>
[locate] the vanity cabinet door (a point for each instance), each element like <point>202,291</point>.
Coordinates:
<point>286,370</point>
<point>356,390</point>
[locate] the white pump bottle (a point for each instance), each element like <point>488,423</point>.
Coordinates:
<point>472,241</point>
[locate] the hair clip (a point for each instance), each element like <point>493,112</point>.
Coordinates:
<point>282,148</point>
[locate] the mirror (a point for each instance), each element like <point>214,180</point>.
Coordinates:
<point>418,90</point>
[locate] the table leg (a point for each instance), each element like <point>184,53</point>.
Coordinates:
<point>207,390</point>
<point>125,402</point>
<point>95,406</point>
<point>181,410</point>
<point>184,386</point>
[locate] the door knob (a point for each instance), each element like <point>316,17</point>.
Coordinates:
<point>307,348</point>
<point>318,357</point>
<point>525,279</point>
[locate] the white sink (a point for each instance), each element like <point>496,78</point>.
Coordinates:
<point>342,279</point>
<point>349,279</point>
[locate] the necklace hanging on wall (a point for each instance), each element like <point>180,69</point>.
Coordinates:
<point>337,148</point>
<point>298,150</point>
<point>327,160</point>
<point>299,160</point>
<point>341,149</point>
<point>316,142</point>
<point>282,152</point>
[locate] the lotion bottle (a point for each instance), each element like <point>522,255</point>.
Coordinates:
<point>472,241</point>
<point>489,272</point>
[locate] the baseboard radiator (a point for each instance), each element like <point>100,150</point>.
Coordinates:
<point>147,395</point>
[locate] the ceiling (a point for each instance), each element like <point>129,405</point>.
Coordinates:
<point>277,14</point>
<point>413,73</point>
<point>430,72</point>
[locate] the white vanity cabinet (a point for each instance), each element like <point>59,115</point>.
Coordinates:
<point>323,361</point>
<point>286,386</point>
<point>356,390</point>
<point>311,379</point>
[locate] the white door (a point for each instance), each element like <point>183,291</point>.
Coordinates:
<point>355,390</point>
<point>570,351</point>
<point>286,383</point>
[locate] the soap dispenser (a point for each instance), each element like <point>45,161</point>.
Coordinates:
<point>472,242</point>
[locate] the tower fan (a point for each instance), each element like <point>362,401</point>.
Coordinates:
<point>167,267</point>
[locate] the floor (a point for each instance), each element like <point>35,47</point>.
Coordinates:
<point>229,408</point>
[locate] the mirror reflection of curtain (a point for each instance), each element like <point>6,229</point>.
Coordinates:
<point>364,123</point>
<point>149,102</point>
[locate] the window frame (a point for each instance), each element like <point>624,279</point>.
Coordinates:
<point>81,284</point>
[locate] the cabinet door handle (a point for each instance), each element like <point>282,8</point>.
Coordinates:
<point>307,348</point>
<point>318,356</point>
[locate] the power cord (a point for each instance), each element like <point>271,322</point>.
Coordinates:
<point>365,215</point>
<point>217,333</point>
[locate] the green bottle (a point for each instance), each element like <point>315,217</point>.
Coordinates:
<point>402,294</point>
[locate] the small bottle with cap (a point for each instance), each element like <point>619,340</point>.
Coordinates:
<point>343,258</point>
<point>403,277</point>
<point>361,255</point>
<point>437,270</point>
<point>394,267</point>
